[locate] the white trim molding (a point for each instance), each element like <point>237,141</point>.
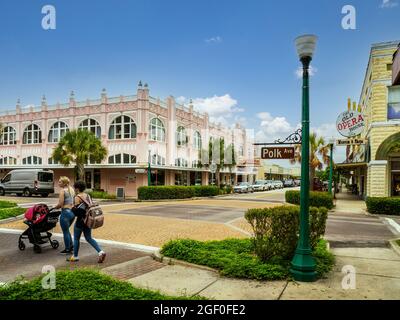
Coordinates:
<point>377,163</point>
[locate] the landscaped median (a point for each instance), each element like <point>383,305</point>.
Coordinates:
<point>10,210</point>
<point>81,284</point>
<point>180,192</point>
<point>265,256</point>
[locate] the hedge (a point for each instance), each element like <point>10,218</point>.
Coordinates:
<point>276,230</point>
<point>176,192</point>
<point>102,195</point>
<point>317,199</point>
<point>388,206</point>
<point>83,284</point>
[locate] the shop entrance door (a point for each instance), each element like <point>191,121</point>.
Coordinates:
<point>395,184</point>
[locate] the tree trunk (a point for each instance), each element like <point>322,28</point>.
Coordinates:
<point>217,178</point>
<point>312,175</point>
<point>81,171</point>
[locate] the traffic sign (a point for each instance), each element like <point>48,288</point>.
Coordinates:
<point>277,153</point>
<point>213,167</point>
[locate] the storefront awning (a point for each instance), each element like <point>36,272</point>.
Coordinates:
<point>352,165</point>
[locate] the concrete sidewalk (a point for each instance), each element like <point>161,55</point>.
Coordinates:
<point>377,277</point>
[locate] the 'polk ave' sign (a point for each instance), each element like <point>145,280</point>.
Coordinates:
<point>277,153</point>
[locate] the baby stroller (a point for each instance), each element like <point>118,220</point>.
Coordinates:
<point>39,219</point>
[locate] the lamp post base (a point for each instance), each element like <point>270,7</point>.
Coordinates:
<point>303,266</point>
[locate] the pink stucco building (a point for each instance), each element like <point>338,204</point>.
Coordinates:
<point>131,128</point>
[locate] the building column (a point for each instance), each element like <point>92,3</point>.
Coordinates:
<point>378,185</point>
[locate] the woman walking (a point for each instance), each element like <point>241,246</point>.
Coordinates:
<point>81,202</point>
<point>65,202</point>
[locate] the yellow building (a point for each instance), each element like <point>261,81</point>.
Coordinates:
<point>377,164</point>
<point>269,171</point>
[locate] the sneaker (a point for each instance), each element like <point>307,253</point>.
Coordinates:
<point>65,251</point>
<point>73,259</point>
<point>102,257</point>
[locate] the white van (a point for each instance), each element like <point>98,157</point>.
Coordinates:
<point>27,182</point>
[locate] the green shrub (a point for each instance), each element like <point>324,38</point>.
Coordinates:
<point>80,284</point>
<point>317,199</point>
<point>325,260</point>
<point>7,204</point>
<point>102,195</point>
<point>235,258</point>
<point>388,206</point>
<point>176,192</point>
<point>276,229</point>
<point>11,212</point>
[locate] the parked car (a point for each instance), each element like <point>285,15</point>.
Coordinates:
<point>297,182</point>
<point>243,187</point>
<point>259,185</point>
<point>271,185</point>
<point>27,182</point>
<point>278,184</point>
<point>288,183</point>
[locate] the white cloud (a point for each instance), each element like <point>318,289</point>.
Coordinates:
<point>222,109</point>
<point>389,4</point>
<point>312,72</point>
<point>216,39</point>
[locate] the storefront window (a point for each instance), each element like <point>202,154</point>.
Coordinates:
<point>157,177</point>
<point>181,178</point>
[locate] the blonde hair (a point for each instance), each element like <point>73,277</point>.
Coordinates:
<point>66,183</point>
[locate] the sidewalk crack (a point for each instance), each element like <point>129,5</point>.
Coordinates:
<point>280,296</point>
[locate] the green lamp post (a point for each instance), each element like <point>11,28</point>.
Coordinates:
<point>149,170</point>
<point>303,264</point>
<point>330,168</point>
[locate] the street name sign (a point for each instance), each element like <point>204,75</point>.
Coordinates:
<point>141,170</point>
<point>350,142</point>
<point>277,153</point>
<point>350,123</point>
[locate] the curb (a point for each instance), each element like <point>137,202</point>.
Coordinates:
<point>171,261</point>
<point>188,199</point>
<point>395,246</point>
<point>12,219</point>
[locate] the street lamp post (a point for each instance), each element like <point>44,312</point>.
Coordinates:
<point>303,264</point>
<point>330,168</point>
<point>149,170</point>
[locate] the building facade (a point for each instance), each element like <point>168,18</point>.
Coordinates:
<point>135,130</point>
<point>269,171</point>
<point>378,171</point>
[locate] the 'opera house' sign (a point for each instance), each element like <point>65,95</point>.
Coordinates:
<point>350,123</point>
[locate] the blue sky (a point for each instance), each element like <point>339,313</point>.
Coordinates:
<point>236,59</point>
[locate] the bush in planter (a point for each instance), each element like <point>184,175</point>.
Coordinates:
<point>317,199</point>
<point>101,195</point>
<point>205,191</point>
<point>389,206</point>
<point>176,192</point>
<point>276,230</point>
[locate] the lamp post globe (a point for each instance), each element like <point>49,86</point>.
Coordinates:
<point>303,265</point>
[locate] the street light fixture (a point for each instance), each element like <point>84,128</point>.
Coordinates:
<point>303,264</point>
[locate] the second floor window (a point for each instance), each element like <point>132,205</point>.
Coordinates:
<point>181,138</point>
<point>92,126</point>
<point>157,130</point>
<point>32,135</point>
<point>122,127</point>
<point>180,162</point>
<point>8,161</point>
<point>123,158</point>
<point>197,140</point>
<point>57,131</point>
<point>8,136</point>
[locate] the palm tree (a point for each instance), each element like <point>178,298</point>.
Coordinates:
<point>78,147</point>
<point>319,155</point>
<point>219,155</point>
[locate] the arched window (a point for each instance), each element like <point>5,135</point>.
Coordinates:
<point>180,162</point>
<point>122,127</point>
<point>10,161</point>
<point>32,160</point>
<point>196,164</point>
<point>197,143</point>
<point>122,158</point>
<point>51,161</point>
<point>181,138</point>
<point>57,131</point>
<point>8,136</point>
<point>32,135</point>
<point>157,160</point>
<point>157,130</point>
<point>92,126</point>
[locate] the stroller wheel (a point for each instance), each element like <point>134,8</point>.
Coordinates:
<point>37,248</point>
<point>55,244</point>
<point>21,246</point>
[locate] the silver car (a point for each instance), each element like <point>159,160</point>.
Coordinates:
<point>243,187</point>
<point>260,185</point>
